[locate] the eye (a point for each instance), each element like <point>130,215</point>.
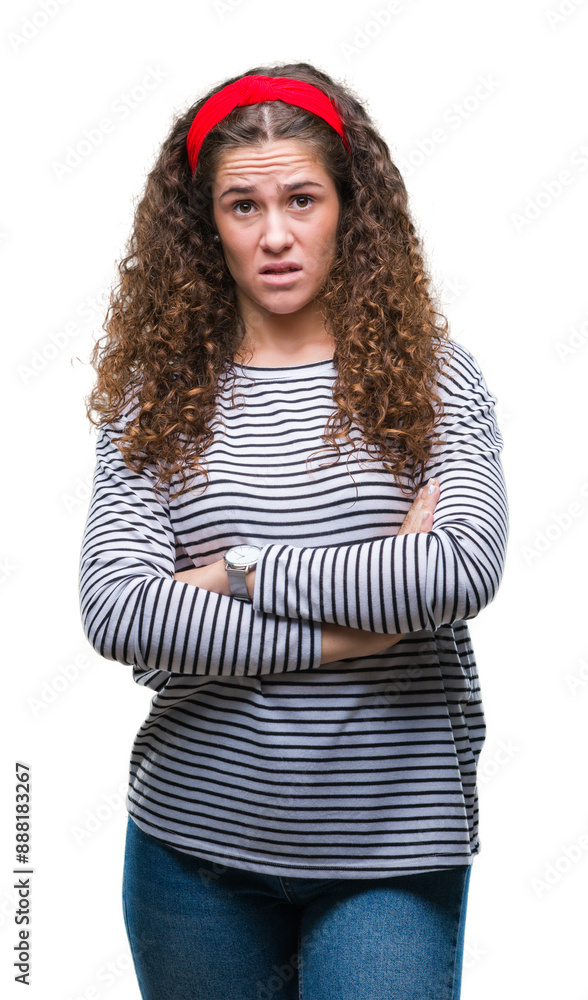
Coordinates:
<point>297,197</point>
<point>304,197</point>
<point>242,203</point>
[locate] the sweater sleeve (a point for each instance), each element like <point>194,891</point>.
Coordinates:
<point>133,610</point>
<point>420,580</point>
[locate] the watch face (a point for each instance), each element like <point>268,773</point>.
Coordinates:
<point>242,555</point>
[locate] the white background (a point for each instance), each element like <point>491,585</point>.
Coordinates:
<point>507,245</point>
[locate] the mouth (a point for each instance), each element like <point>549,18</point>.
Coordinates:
<point>286,267</point>
<point>280,275</point>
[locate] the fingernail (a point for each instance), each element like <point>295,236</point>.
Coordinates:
<point>430,487</point>
<point>425,515</point>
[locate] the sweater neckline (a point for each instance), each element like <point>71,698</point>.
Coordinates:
<point>283,371</point>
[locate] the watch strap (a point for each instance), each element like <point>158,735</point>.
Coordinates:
<point>237,583</point>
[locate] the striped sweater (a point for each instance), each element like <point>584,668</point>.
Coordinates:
<point>250,755</point>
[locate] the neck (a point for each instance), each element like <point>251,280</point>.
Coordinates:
<point>294,338</point>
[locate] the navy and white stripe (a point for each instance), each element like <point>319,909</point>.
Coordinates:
<point>251,755</point>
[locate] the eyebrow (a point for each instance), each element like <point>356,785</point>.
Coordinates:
<point>251,189</point>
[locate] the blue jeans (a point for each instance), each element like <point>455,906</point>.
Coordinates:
<point>199,930</point>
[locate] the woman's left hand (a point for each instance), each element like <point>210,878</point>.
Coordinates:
<point>213,577</point>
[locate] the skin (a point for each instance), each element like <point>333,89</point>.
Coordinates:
<point>283,325</point>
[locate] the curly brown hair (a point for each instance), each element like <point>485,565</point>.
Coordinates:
<point>173,326</point>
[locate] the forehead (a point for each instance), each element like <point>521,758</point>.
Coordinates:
<point>272,160</point>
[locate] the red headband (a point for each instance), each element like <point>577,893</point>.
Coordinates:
<point>254,89</point>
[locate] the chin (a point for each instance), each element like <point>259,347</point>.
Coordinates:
<point>285,305</point>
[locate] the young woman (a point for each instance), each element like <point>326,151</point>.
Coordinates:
<point>281,414</point>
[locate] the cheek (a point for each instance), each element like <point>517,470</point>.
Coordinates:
<point>323,246</point>
<point>238,256</point>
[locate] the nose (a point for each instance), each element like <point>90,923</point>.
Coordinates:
<point>276,234</point>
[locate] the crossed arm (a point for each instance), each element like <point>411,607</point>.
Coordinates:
<point>338,642</point>
<point>137,611</point>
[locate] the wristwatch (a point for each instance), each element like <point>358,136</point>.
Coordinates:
<point>239,559</point>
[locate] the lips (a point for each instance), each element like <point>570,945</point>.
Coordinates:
<point>284,268</point>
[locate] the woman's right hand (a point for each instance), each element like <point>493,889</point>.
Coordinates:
<point>339,642</point>
<point>420,515</point>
